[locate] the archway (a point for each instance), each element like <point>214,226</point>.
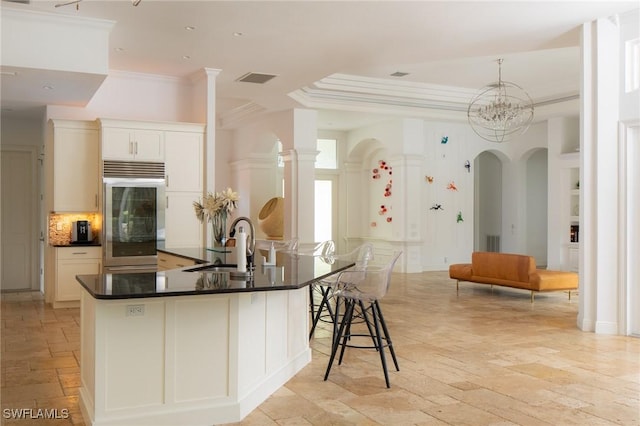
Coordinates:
<point>487,202</point>
<point>536,206</point>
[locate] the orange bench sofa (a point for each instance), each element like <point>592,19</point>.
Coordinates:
<point>512,270</point>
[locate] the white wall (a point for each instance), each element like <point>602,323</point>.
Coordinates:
<point>629,72</point>
<point>21,132</point>
<point>133,96</point>
<point>442,238</point>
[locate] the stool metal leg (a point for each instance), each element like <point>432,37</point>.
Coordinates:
<point>336,341</point>
<point>325,291</point>
<point>347,320</point>
<point>379,345</point>
<point>387,337</point>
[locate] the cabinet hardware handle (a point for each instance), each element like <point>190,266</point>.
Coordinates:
<point>130,147</point>
<point>136,150</point>
<point>180,265</point>
<point>167,199</point>
<point>79,252</point>
<point>166,180</point>
<point>96,200</point>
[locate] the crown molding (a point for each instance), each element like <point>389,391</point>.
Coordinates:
<point>384,96</point>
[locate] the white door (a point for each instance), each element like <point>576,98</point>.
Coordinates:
<point>19,219</point>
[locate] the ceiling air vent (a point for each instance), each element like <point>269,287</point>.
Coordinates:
<point>256,77</point>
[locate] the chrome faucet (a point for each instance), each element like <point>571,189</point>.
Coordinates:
<point>251,246</point>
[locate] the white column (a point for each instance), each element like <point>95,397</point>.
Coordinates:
<point>353,215</point>
<point>299,172</point>
<point>600,233</point>
<point>204,95</point>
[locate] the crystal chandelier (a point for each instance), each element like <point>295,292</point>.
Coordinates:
<point>500,110</point>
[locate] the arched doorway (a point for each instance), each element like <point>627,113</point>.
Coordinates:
<point>536,206</point>
<point>488,202</point>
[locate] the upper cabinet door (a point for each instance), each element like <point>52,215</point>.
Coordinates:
<point>132,145</point>
<point>148,145</point>
<point>184,161</point>
<point>76,162</point>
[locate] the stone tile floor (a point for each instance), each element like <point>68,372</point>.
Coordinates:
<point>482,357</point>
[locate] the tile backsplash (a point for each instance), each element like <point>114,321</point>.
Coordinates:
<point>60,226</point>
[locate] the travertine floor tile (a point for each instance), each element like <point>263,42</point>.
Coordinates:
<point>481,357</point>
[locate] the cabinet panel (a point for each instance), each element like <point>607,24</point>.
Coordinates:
<point>148,145</point>
<point>182,228</point>
<point>184,161</point>
<point>116,144</point>
<point>130,145</point>
<point>574,258</point>
<point>71,262</point>
<point>76,169</point>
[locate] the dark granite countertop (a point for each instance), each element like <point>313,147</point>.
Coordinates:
<point>292,271</point>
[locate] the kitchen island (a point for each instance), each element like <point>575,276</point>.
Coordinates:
<point>193,346</point>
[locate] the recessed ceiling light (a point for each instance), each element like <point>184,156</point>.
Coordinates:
<point>399,74</point>
<point>119,49</point>
<point>237,34</point>
<point>186,57</point>
<point>189,28</point>
<point>47,87</point>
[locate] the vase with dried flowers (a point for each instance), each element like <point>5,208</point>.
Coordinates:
<point>214,208</point>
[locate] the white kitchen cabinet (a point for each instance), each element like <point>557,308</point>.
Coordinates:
<point>184,169</point>
<point>574,258</point>
<point>184,165</point>
<point>182,228</point>
<point>132,144</point>
<point>72,261</point>
<point>72,166</point>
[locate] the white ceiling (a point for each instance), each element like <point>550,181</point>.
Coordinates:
<point>302,42</point>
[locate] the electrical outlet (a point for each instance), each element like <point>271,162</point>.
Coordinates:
<point>446,260</point>
<point>135,310</point>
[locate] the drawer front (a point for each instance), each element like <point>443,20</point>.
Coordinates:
<point>79,252</point>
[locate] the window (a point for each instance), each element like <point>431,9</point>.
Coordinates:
<point>327,157</point>
<point>324,210</point>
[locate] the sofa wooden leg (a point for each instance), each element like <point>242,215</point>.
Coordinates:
<point>532,296</point>
<point>569,295</point>
<point>457,284</point>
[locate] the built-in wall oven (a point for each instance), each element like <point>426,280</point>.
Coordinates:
<point>133,216</point>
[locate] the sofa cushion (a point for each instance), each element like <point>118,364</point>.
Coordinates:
<point>545,280</point>
<point>460,271</point>
<point>502,267</point>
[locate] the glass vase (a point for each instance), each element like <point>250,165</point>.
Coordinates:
<point>219,229</point>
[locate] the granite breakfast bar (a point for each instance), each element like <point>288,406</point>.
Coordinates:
<point>193,346</point>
